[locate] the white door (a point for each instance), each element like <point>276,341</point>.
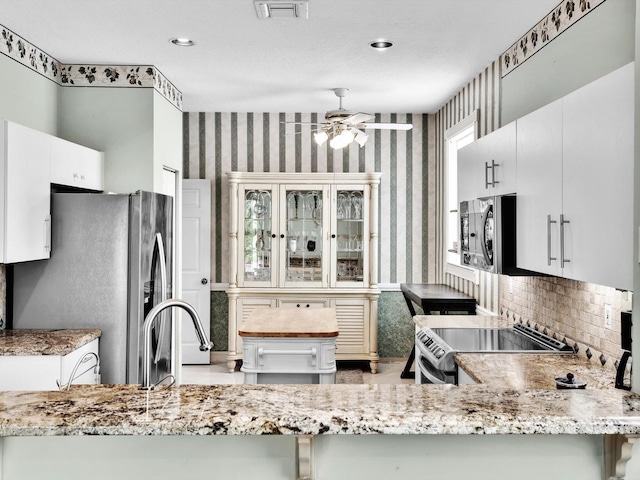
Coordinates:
<point>196,264</point>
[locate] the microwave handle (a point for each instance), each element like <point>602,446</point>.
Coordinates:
<point>483,240</point>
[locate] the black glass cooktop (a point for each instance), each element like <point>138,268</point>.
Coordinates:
<point>489,340</point>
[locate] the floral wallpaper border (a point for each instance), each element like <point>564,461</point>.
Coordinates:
<point>567,13</point>
<point>146,76</point>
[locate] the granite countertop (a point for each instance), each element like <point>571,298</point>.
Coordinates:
<point>519,371</point>
<point>44,342</point>
<point>523,371</point>
<point>317,409</point>
<point>518,399</point>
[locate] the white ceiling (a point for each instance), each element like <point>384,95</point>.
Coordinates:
<point>243,64</point>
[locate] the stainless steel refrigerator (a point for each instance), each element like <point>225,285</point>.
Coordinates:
<point>110,264</point>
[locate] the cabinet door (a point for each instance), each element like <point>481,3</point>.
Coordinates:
<point>598,180</point>
<point>75,165</point>
<point>468,171</point>
<point>349,236</point>
<point>25,205</point>
<point>91,170</point>
<point>304,250</point>
<point>353,325</point>
<point>258,236</point>
<point>539,198</point>
<point>498,162</point>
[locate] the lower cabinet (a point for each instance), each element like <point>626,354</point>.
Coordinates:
<point>45,372</point>
<point>356,313</point>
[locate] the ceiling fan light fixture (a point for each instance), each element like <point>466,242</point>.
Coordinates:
<point>320,137</point>
<point>182,42</point>
<point>342,140</point>
<point>361,138</point>
<point>381,44</point>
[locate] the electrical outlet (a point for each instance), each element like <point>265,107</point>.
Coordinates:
<point>607,315</point>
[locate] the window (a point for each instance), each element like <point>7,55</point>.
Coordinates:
<point>462,134</point>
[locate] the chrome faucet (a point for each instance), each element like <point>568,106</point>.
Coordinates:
<point>205,344</point>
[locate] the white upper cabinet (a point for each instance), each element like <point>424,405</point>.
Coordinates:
<point>487,167</point>
<point>76,166</point>
<point>597,154</point>
<point>30,161</point>
<point>25,221</point>
<point>539,199</point>
<point>575,184</point>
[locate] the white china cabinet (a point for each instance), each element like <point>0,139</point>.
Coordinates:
<point>306,240</point>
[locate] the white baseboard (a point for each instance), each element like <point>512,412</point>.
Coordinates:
<point>483,311</point>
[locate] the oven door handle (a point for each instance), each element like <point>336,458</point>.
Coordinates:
<point>424,371</point>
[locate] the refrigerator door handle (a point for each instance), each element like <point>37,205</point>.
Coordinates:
<point>159,246</point>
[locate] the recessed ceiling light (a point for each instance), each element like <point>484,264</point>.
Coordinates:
<point>381,44</point>
<point>182,42</point>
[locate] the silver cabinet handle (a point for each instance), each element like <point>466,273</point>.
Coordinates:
<point>486,175</point>
<point>493,173</point>
<point>493,181</point>
<point>313,352</point>
<point>563,260</point>
<point>549,257</point>
<point>47,233</point>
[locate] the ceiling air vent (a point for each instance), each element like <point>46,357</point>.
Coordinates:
<point>278,9</point>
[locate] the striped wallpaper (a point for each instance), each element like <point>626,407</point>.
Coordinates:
<point>216,143</point>
<point>481,94</point>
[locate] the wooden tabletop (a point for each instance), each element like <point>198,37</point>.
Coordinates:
<point>290,322</point>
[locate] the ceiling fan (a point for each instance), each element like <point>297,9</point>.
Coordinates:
<point>341,127</point>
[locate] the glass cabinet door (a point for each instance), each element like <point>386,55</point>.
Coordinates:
<point>256,240</point>
<point>304,250</point>
<point>351,241</point>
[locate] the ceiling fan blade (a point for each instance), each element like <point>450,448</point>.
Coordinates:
<point>358,118</point>
<point>387,126</point>
<point>305,123</point>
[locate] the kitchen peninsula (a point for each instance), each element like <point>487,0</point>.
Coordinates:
<point>346,431</point>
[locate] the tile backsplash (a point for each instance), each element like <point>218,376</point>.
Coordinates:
<point>569,308</point>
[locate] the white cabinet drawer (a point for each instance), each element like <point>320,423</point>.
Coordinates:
<point>293,355</point>
<point>302,303</point>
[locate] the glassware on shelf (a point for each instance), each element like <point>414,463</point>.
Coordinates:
<point>293,244</point>
<point>342,269</point>
<point>293,205</point>
<point>356,202</point>
<point>344,208</point>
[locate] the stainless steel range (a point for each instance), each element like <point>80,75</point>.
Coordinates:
<point>435,348</point>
